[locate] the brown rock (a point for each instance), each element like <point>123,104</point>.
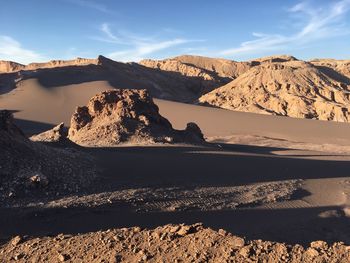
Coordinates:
<point>56,135</point>
<point>16,240</point>
<point>319,245</point>
<point>63,257</point>
<point>125,116</point>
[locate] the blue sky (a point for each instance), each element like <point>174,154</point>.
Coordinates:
<point>40,30</point>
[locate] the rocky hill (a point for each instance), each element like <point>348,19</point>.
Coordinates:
<point>32,170</point>
<point>286,87</point>
<point>125,116</point>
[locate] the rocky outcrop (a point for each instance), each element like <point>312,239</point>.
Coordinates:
<point>125,116</point>
<point>7,126</point>
<point>333,66</point>
<point>273,59</point>
<point>56,135</point>
<point>30,170</point>
<point>290,88</point>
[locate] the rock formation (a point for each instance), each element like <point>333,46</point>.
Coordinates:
<point>125,116</point>
<point>334,66</point>
<point>30,170</point>
<point>289,88</point>
<point>9,66</point>
<point>56,135</point>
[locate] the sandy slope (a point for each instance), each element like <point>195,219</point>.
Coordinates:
<point>37,103</point>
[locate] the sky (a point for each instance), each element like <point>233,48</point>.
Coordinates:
<point>42,30</point>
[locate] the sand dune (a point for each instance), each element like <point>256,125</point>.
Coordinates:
<point>35,102</point>
<point>161,84</point>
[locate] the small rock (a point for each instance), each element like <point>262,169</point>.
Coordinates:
<point>63,257</point>
<point>311,252</point>
<point>245,251</point>
<point>237,242</point>
<point>183,231</point>
<point>222,232</point>
<point>16,240</point>
<point>39,179</point>
<point>319,245</point>
<point>19,256</point>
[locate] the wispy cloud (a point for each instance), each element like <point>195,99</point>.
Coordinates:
<point>319,23</point>
<point>139,51</point>
<point>10,49</point>
<point>92,5</point>
<point>137,47</point>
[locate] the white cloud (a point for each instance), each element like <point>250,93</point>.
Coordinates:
<point>321,22</point>
<point>139,51</point>
<point>10,49</point>
<point>138,47</point>
<point>110,36</point>
<point>93,5</point>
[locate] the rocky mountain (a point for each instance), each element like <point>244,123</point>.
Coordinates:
<point>286,87</point>
<point>126,116</point>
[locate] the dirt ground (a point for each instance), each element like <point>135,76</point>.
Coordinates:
<point>169,243</point>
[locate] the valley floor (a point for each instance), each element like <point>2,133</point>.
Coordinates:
<point>259,177</point>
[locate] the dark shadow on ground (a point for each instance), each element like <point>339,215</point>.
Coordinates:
<point>284,225</point>
<point>193,166</point>
<point>207,166</point>
<point>33,127</point>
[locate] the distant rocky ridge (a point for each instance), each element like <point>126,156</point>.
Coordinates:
<point>126,116</point>
<point>221,67</point>
<point>280,85</point>
<point>171,85</point>
<point>9,66</point>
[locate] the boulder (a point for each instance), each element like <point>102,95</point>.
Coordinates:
<point>126,116</point>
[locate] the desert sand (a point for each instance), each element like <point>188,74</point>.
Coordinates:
<point>258,176</point>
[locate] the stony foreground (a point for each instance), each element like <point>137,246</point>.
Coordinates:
<point>169,243</point>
